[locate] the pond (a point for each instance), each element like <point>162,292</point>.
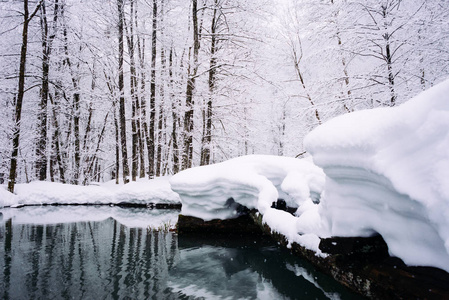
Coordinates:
<point>116,253</point>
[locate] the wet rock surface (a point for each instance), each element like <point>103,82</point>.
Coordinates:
<point>240,226</point>
<point>361,264</point>
<point>364,266</point>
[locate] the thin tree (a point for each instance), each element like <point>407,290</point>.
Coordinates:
<point>207,113</point>
<point>41,153</point>
<point>135,124</point>
<point>151,147</point>
<point>20,92</point>
<point>192,72</point>
<point>121,85</point>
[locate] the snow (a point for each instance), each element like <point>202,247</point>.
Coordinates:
<point>130,217</point>
<point>255,181</point>
<point>382,171</point>
<point>388,173</point>
<point>143,191</point>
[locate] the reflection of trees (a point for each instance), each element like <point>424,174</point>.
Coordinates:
<point>6,282</point>
<point>92,260</point>
<point>97,260</point>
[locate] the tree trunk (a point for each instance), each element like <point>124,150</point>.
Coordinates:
<point>135,126</point>
<point>122,115</point>
<point>175,117</point>
<point>207,132</point>
<point>297,60</point>
<point>151,150</point>
<point>56,141</point>
<point>161,118</point>
<point>140,95</point>
<point>390,71</point>
<point>20,93</point>
<point>145,137</point>
<point>188,116</point>
<point>41,153</point>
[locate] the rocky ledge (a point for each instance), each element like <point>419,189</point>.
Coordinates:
<point>361,264</point>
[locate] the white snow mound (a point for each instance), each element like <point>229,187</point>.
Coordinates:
<point>142,191</point>
<point>255,181</point>
<point>388,173</point>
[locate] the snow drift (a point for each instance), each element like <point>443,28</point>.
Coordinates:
<point>143,192</point>
<point>388,173</point>
<point>255,181</point>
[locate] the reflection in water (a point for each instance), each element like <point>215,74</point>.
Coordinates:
<point>107,260</point>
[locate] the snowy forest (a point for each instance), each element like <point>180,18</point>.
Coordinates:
<point>121,89</point>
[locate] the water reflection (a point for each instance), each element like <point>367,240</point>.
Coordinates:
<point>108,260</point>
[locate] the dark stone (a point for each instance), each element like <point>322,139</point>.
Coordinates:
<point>364,266</point>
<point>373,247</point>
<point>240,226</point>
<point>281,204</point>
<point>237,207</point>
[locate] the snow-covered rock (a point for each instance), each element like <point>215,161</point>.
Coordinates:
<point>388,173</point>
<point>255,181</point>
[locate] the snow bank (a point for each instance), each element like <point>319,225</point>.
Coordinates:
<point>6,198</point>
<point>142,191</point>
<point>130,217</point>
<point>388,172</point>
<point>255,181</point>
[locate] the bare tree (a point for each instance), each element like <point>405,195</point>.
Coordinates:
<point>27,17</point>
<point>192,73</point>
<point>122,117</point>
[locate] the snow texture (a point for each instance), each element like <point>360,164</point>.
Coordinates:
<point>130,217</point>
<point>255,181</point>
<point>388,173</point>
<point>140,192</point>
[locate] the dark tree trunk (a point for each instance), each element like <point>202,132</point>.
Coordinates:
<point>162,118</point>
<point>139,95</point>
<point>175,117</point>
<point>47,39</point>
<point>56,141</point>
<point>135,124</point>
<point>122,115</point>
<point>390,72</point>
<point>151,150</point>
<point>145,137</point>
<point>207,131</point>
<point>20,93</point>
<point>188,116</point>
<point>41,155</point>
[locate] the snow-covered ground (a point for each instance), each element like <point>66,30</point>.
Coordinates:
<point>130,217</point>
<point>142,191</point>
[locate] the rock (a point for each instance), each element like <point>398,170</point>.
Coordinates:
<point>280,204</point>
<point>373,248</point>
<point>240,226</point>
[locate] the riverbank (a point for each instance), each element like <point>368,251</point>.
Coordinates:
<point>363,265</point>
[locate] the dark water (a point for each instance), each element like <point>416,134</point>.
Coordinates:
<point>105,259</point>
